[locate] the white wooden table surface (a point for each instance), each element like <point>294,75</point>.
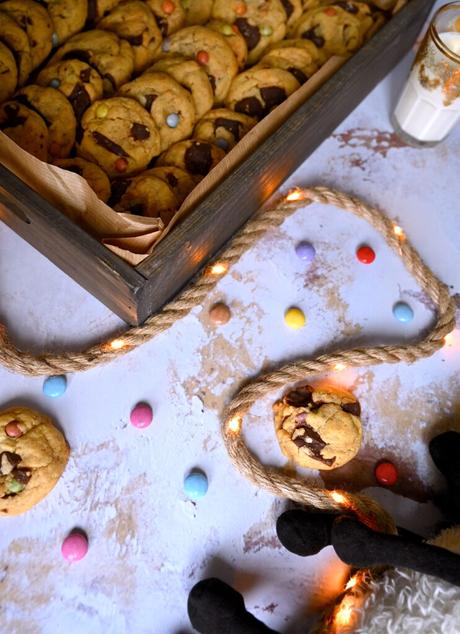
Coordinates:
<point>148,544</point>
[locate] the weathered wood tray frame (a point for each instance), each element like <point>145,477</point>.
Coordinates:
<point>135,293</point>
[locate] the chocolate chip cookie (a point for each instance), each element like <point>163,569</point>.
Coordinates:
<point>297,61</point>
<point>15,38</point>
<point>133,21</point>
<point>211,51</point>
<point>293,9</point>
<point>223,127</point>
<point>68,18</point>
<point>25,127</point>
<point>80,83</point>
<point>179,180</point>
<point>33,456</point>
<point>58,115</point>
<point>112,57</point>
<point>119,135</point>
<point>258,90</point>
<point>8,73</point>
<point>189,74</point>
<point>169,14</point>
<point>195,157</point>
<point>97,9</point>
<point>233,38</point>
<point>96,178</point>
<point>36,22</point>
<point>318,428</point>
<point>169,104</point>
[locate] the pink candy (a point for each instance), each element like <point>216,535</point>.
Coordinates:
<point>141,415</point>
<point>75,546</point>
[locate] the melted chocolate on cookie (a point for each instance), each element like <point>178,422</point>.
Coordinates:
<point>139,132</point>
<point>198,158</point>
<point>250,33</point>
<point>311,441</point>
<point>318,40</point>
<point>250,106</point>
<point>13,119</point>
<point>108,145</point>
<point>229,124</point>
<point>272,96</point>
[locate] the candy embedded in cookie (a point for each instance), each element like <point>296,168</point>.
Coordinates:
<point>57,114</point>
<point>134,21</point>
<point>233,38</point>
<point>169,15</point>
<point>296,61</point>
<point>258,90</point>
<point>318,428</point>
<point>8,73</point>
<point>223,127</point>
<point>25,127</point>
<point>195,157</point>
<point>96,178</point>
<point>168,103</point>
<point>119,135</point>
<point>293,9</point>
<point>68,17</point>
<point>33,455</point>
<point>36,22</point>
<point>15,38</point>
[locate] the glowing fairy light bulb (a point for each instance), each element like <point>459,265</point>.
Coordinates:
<point>344,614</point>
<point>234,425</point>
<point>296,194</point>
<point>219,268</point>
<point>398,231</point>
<point>117,344</point>
<point>338,497</point>
<point>352,582</point>
<point>340,366</point>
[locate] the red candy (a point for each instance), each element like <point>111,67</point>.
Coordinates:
<point>240,8</point>
<point>202,57</point>
<point>386,473</point>
<point>235,29</point>
<point>168,7</point>
<point>121,164</point>
<point>330,11</point>
<point>365,254</point>
<point>13,430</point>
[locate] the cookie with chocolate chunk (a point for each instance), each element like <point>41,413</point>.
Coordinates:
<point>318,428</point>
<point>133,21</point>
<point>80,83</point>
<point>169,15</point>
<point>111,56</point>
<point>258,90</point>
<point>197,11</point>
<point>297,61</point>
<point>36,22</point>
<point>223,127</point>
<point>96,178</point>
<point>68,18</point>
<point>260,23</point>
<point>57,113</point>
<point>8,73</point>
<point>25,127</point>
<point>98,9</point>
<point>233,38</point>
<point>336,30</point>
<point>293,9</point>
<point>211,51</point>
<point>33,456</point>
<point>179,180</point>
<point>169,104</point>
<point>119,135</point>
<point>15,38</point>
<point>195,157</point>
<point>189,74</point>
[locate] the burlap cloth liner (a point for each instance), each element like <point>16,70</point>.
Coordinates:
<point>271,479</point>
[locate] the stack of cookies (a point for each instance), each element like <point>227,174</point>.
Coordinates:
<point>144,97</point>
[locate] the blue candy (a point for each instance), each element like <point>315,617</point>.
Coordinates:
<point>403,312</point>
<point>223,143</point>
<point>54,39</point>
<point>55,386</point>
<point>55,83</point>
<point>173,120</point>
<point>195,485</point>
<point>305,251</point>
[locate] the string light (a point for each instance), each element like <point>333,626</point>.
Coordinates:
<point>338,497</point>
<point>234,425</point>
<point>448,338</point>
<point>117,344</point>
<point>218,268</point>
<point>296,194</point>
<point>340,366</point>
<point>398,231</point>
<point>344,614</point>
<point>352,582</point>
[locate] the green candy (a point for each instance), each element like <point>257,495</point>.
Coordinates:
<point>227,29</point>
<point>266,30</point>
<point>15,487</point>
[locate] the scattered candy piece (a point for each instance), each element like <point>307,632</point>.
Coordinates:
<point>240,8</point>
<point>202,57</point>
<point>168,7</point>
<point>219,314</point>
<point>305,251</point>
<point>55,386</point>
<point>54,39</point>
<point>75,546</point>
<point>330,11</point>
<point>166,45</point>
<point>223,144</point>
<point>55,83</point>
<point>102,111</point>
<point>386,473</point>
<point>13,430</point>
<point>266,30</point>
<point>195,485</point>
<point>365,254</point>
<point>121,164</point>
<point>173,120</point>
<point>403,312</point>
<point>226,29</point>
<point>141,415</point>
<point>294,318</point>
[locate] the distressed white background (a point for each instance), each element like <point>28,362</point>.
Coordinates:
<point>148,545</point>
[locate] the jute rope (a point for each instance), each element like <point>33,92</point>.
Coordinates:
<point>269,478</point>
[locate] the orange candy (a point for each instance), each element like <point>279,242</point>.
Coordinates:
<point>168,7</point>
<point>121,164</point>
<point>330,11</point>
<point>235,29</point>
<point>202,57</point>
<point>240,8</point>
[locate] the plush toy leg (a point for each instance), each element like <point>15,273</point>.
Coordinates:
<point>361,547</point>
<point>304,533</point>
<point>445,452</point>
<point>216,608</point>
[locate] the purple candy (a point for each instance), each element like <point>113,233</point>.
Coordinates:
<point>305,251</point>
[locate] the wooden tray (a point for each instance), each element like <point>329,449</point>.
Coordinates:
<point>135,293</point>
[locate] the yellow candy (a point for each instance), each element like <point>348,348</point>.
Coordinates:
<point>294,318</point>
<point>102,111</point>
